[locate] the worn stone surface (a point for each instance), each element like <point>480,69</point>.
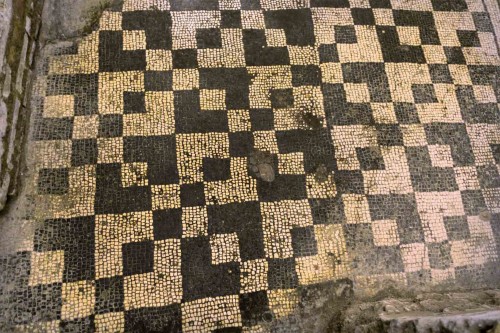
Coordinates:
<point>147,209</point>
<point>430,312</point>
<point>69,19</point>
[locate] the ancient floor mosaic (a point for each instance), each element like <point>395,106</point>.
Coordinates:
<point>200,161</point>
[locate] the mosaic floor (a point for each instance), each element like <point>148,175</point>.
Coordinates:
<point>198,163</point>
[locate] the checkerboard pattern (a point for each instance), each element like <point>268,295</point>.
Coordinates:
<point>150,219</point>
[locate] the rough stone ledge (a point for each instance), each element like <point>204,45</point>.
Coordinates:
<point>19,29</point>
<point>475,311</point>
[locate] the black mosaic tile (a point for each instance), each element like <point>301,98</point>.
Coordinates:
<point>468,38</point>
<point>185,58</point>
<point>345,34</point>
<point>254,306</point>
<point>182,5</point>
<point>282,274</point>
<point>209,38</point>
<point>406,113</point>
<point>158,81</point>
<point>401,208</point>
<point>439,255</point>
<point>201,278</point>
<point>440,73</point>
<point>473,201</point>
<point>216,169</point>
<point>250,4</point>
<point>134,102</point>
<point>157,25</point>
<point>488,176</point>
<point>482,21</point>
<point>298,25</point>
<point>263,119</point>
<point>457,227</point>
<point>138,257</point>
<point>446,5</point>
<point>230,19</point>
<point>86,325</point>
<point>389,135</point>
<point>154,319</point>
<point>424,93</point>
<point>363,16</point>
<point>110,126</point>
<point>370,158</point>
<point>304,242</point>
<point>109,295</point>
<point>167,224</point>
<point>53,181</point>
<point>192,195</point>
<point>330,3</point>
<point>393,51</point>
<point>258,54</point>
<point>84,152</point>
<point>76,237</point>
<point>328,53</point>
<point>112,57</point>
<point>454,55</point>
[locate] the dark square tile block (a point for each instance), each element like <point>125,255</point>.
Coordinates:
<point>495,149</point>
<point>281,98</point>
<point>380,3</point>
<point>304,242</point>
<point>284,187</point>
<point>454,55</point>
<point>183,5</point>
<point>424,93</point>
<point>84,152</point>
<point>468,38</point>
<point>406,113</point>
<point>186,58</point>
<point>281,274</point>
<point>307,75</point>
<point>209,38</point>
<point>262,119</point>
<point>155,319</point>
<point>53,181</point>
<point>440,73</point>
<point>389,135</point>
<point>370,158</point>
<point>482,21</point>
<point>158,80</point>
<point>241,144</point>
<point>449,5</point>
<point>457,227</point>
<point>138,257</point>
<point>473,201</point>
<point>363,16</point>
<point>254,306</point>
<point>230,19</point>
<point>215,169</point>
<point>488,176</point>
<point>133,102</point>
<point>192,195</point>
<point>250,4</point>
<point>345,34</point>
<point>109,295</point>
<point>200,278</point>
<point>328,53</point>
<point>110,126</point>
<point>167,224</point>
<point>439,255</point>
